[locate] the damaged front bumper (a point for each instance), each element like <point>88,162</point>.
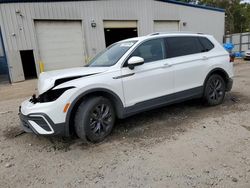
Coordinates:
<point>34,118</point>
<point>41,124</point>
<point>46,117</point>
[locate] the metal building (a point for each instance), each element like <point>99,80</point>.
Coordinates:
<point>56,34</point>
<point>241,41</point>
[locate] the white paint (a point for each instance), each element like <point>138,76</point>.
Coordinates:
<point>39,129</point>
<point>60,44</point>
<point>119,24</point>
<point>147,81</point>
<point>166,26</point>
<point>145,12</point>
<point>47,79</point>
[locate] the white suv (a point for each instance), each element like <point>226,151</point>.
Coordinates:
<point>128,77</point>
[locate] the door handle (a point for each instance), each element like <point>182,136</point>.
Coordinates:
<point>204,58</point>
<point>166,65</point>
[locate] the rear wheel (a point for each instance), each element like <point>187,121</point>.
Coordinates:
<point>94,119</point>
<point>215,90</point>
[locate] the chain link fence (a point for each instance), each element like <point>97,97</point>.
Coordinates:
<point>241,41</point>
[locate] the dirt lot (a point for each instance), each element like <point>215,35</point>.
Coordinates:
<point>184,145</point>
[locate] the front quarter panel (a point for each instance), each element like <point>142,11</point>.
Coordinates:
<point>104,81</point>
<point>53,109</point>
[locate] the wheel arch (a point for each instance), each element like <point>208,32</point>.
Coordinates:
<point>114,99</point>
<point>220,72</point>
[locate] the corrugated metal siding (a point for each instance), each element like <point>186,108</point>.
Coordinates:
<point>211,22</point>
<point>142,11</point>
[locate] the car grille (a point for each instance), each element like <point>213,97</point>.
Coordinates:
<point>25,124</point>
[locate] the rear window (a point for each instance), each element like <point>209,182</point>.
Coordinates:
<point>181,46</point>
<point>207,44</point>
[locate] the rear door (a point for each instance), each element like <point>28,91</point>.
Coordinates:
<point>188,57</point>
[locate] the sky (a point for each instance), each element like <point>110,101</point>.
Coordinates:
<point>246,1</point>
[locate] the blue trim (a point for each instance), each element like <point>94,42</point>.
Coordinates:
<point>167,1</point>
<point>4,65</point>
<point>193,5</point>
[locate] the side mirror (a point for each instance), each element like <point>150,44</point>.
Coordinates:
<point>135,61</point>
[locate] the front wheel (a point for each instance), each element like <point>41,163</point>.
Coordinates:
<point>215,90</point>
<point>94,119</point>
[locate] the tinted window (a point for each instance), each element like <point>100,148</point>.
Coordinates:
<point>151,50</point>
<point>207,44</point>
<point>180,46</point>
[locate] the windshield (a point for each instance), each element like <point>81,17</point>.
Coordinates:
<point>111,55</point>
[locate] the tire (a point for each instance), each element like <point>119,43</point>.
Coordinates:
<point>94,119</point>
<point>215,90</point>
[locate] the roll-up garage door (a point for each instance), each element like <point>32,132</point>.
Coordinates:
<point>166,26</point>
<point>60,44</point>
<point>120,24</point>
<point>117,30</point>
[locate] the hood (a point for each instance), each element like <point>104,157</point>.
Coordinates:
<point>49,79</point>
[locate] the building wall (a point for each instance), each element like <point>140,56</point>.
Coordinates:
<point>19,31</point>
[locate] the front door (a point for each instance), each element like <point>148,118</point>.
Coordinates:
<point>151,80</point>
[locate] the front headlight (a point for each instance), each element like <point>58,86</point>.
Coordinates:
<point>50,95</point>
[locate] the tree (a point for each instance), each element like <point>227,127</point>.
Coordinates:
<point>236,17</point>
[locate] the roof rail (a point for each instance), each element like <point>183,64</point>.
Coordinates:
<point>172,32</point>
<point>157,33</point>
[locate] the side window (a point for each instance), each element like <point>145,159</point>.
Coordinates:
<point>152,50</point>
<point>207,44</point>
<point>180,46</point>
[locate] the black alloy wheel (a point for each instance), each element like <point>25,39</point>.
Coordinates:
<point>101,119</point>
<point>215,90</point>
<point>94,119</point>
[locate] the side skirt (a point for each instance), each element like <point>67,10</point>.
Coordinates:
<point>163,101</point>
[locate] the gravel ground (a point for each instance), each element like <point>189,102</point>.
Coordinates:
<point>183,145</point>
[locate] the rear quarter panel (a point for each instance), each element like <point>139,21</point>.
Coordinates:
<point>219,58</point>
